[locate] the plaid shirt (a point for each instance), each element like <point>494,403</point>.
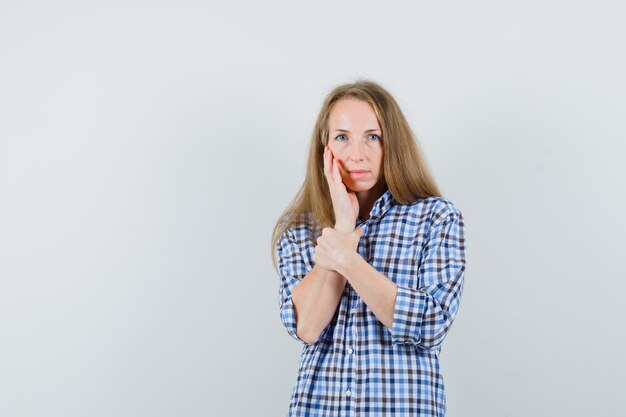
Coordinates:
<point>358,367</point>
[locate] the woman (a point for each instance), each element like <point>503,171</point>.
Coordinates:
<point>371,261</point>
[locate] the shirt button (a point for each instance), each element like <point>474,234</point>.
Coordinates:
<point>348,393</point>
<point>353,310</point>
<point>350,351</point>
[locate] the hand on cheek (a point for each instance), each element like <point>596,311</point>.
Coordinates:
<point>345,203</point>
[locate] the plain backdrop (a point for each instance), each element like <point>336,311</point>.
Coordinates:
<point>148,147</point>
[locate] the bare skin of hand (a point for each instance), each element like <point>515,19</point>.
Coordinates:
<point>335,248</point>
<point>345,203</point>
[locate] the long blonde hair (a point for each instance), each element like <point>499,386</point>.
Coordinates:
<point>405,170</point>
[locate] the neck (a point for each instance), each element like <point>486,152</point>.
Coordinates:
<point>368,198</point>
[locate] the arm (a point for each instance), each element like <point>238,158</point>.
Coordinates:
<point>307,301</point>
<point>315,300</point>
<point>423,316</point>
<point>376,290</point>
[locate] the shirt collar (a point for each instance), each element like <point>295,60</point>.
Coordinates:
<point>381,205</point>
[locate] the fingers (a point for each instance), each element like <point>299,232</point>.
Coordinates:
<point>327,162</point>
<point>334,248</point>
<point>336,174</point>
<point>331,168</point>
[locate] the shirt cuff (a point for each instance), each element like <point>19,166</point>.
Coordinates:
<point>407,317</point>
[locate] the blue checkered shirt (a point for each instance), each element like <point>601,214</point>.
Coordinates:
<point>358,367</point>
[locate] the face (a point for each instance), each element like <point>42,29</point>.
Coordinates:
<point>354,137</point>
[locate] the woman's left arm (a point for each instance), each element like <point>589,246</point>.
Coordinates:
<point>419,316</point>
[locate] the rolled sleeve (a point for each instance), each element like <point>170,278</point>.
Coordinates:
<point>288,317</point>
<point>423,316</point>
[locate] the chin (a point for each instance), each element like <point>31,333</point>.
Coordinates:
<point>358,187</point>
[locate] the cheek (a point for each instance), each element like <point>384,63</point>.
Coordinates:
<point>374,159</point>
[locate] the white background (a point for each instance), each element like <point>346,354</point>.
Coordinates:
<point>148,147</point>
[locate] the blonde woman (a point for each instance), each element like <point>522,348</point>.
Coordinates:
<point>371,260</point>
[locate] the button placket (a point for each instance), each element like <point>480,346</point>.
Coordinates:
<point>349,352</point>
<point>348,359</point>
<point>352,326</point>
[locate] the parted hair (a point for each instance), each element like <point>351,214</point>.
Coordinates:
<point>405,170</point>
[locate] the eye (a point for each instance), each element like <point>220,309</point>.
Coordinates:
<point>373,137</point>
<point>341,137</point>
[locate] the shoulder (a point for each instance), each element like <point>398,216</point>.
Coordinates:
<point>434,208</point>
<point>299,232</point>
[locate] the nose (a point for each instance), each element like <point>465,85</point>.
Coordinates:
<point>357,150</point>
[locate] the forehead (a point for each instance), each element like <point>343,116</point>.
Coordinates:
<point>352,114</point>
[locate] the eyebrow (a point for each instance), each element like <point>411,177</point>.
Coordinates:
<point>347,131</point>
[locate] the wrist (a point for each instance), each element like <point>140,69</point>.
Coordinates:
<point>344,227</point>
<point>329,274</point>
<point>348,264</point>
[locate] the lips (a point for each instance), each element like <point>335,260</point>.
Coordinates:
<point>358,173</point>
